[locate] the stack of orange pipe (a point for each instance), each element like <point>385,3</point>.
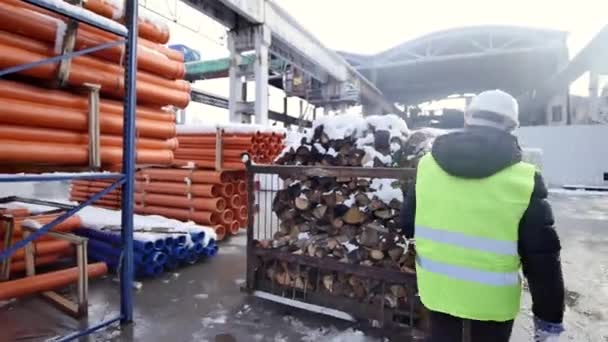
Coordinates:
<point>30,132</point>
<point>48,250</point>
<point>82,190</point>
<point>210,198</point>
<point>28,34</point>
<point>199,149</point>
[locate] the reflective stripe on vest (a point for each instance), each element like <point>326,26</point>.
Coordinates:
<point>466,240</point>
<point>469,274</point>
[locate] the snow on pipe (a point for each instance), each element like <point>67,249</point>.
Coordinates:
<point>46,28</point>
<point>144,246</point>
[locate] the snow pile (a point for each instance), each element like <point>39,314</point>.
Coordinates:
<point>99,218</point>
<point>358,126</point>
<point>379,139</point>
<point>386,190</point>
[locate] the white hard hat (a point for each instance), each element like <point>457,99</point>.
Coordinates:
<point>493,108</point>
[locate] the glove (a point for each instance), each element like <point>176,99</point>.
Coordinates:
<point>546,331</point>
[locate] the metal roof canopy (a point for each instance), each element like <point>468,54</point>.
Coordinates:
<point>465,60</point>
<point>292,42</point>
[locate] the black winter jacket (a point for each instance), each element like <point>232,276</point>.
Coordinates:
<point>478,152</point>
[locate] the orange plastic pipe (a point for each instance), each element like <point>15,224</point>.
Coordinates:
<point>208,152</point>
<point>241,187</point>
<point>24,113</point>
<point>209,159</point>
<point>227,190</point>
<point>201,217</point>
<point>43,247</point>
<point>87,70</point>
<point>234,201</point>
<point>112,84</point>
<point>13,151</point>
<point>104,10</point>
<point>15,212</point>
<point>146,29</point>
<point>97,183</point>
<point>234,227</point>
<point>24,133</point>
<point>217,204</point>
<point>242,213</point>
<point>210,140</point>
<point>220,231</point>
<point>172,54</point>
<point>176,175</point>
<point>47,281</point>
<point>86,194</point>
<point>43,27</point>
<point>226,217</point>
<point>19,266</point>
<point>109,203</point>
<point>170,188</point>
<point>63,99</point>
<point>71,223</point>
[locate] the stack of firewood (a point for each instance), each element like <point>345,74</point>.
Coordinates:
<point>349,220</point>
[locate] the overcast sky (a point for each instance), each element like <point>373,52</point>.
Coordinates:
<point>370,26</point>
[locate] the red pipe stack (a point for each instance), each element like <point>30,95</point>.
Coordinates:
<point>30,131</point>
<point>199,149</point>
<point>212,198</point>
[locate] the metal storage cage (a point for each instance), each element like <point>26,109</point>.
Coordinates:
<point>265,182</point>
<point>125,179</point>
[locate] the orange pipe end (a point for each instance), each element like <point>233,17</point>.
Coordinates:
<point>227,216</point>
<point>234,227</point>
<point>227,190</point>
<point>235,201</point>
<point>220,231</point>
<point>241,187</point>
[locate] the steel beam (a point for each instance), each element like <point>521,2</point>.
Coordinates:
<point>222,102</point>
<point>290,41</point>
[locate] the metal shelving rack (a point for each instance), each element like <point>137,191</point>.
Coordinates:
<point>124,179</point>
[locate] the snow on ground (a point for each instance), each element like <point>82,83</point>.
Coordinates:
<point>327,334</point>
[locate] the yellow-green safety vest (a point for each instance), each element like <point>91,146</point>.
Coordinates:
<point>466,240</point>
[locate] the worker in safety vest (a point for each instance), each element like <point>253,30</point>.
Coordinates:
<point>478,214</point>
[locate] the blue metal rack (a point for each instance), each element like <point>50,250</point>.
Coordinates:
<point>124,179</point>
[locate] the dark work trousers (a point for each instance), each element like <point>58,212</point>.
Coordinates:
<point>446,328</point>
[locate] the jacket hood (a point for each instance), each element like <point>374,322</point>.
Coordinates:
<point>476,152</point>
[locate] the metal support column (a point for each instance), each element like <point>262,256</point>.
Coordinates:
<point>594,83</point>
<point>260,66</point>
<point>236,79</point>
<point>128,162</point>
